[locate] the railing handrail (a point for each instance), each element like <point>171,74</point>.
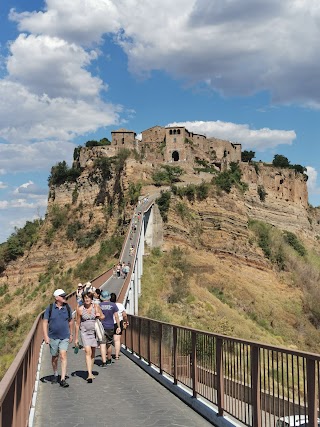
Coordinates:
<point>10,375</point>
<point>313,356</point>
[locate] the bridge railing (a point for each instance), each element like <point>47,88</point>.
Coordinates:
<point>255,383</point>
<point>17,385</point>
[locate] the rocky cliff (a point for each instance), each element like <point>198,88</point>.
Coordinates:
<point>97,205</point>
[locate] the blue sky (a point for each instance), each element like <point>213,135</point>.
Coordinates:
<point>242,70</point>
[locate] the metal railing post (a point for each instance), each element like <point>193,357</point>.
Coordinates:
<point>139,337</point>
<point>220,375</point>
<point>160,350</point>
<point>175,364</point>
<point>255,379</point>
<point>311,393</point>
<point>194,364</point>
<point>149,342</point>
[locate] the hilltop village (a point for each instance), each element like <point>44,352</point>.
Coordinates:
<point>176,144</point>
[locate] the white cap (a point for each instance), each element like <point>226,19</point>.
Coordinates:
<point>59,293</point>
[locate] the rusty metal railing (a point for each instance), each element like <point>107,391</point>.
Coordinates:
<point>257,384</point>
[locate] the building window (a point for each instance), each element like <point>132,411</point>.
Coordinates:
<point>170,131</point>
<point>174,131</point>
<point>174,139</point>
<point>122,140</point>
<point>178,131</point>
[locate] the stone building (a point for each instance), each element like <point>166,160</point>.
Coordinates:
<point>123,138</point>
<point>177,144</point>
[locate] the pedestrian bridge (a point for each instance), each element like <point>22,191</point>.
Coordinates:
<point>167,375</point>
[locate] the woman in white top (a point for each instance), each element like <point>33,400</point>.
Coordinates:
<point>123,324</point>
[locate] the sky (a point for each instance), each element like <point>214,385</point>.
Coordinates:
<point>70,71</point>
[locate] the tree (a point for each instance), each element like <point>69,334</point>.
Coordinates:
<point>247,156</point>
<point>280,161</point>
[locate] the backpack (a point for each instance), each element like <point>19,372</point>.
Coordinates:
<point>68,308</point>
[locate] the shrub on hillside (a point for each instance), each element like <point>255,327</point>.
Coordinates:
<point>101,143</point>
<point>166,175</point>
<point>163,203</point>
<point>294,242</point>
<point>21,240</point>
<point>61,173</point>
<point>262,193</point>
<point>225,180</point>
<point>134,192</point>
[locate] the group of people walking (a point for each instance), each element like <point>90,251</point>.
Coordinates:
<point>93,305</point>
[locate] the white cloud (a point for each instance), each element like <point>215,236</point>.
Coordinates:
<point>56,67</point>
<point>30,189</point>
<point>36,156</point>
<point>260,139</point>
<point>235,47</point>
<point>4,204</point>
<point>78,21</point>
<point>312,173</point>
<point>3,185</point>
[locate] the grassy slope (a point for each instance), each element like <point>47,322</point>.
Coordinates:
<point>229,297</point>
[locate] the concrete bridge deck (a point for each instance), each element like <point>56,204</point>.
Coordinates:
<point>120,395</point>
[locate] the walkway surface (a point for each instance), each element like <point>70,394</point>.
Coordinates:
<point>120,395</point>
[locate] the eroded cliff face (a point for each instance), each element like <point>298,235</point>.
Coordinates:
<point>286,201</point>
<point>218,224</point>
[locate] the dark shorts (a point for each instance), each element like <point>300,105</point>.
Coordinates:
<point>116,326</point>
<point>109,336</point>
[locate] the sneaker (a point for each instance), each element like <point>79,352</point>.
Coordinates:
<point>54,379</point>
<point>103,365</point>
<point>109,362</point>
<point>64,384</point>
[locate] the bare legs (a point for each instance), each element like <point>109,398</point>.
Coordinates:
<point>117,344</point>
<point>63,360</point>
<point>90,354</point>
<point>103,351</point>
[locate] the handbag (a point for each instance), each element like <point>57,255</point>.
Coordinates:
<point>99,330</point>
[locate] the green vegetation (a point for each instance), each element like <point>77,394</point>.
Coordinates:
<point>282,162</point>
<point>58,216</point>
<point>94,265</point>
<point>88,239</point>
<point>205,166</point>
<point>247,156</point>
<point>164,203</point>
<point>275,244</point>
<point>101,143</point>
<point>167,175</point>
<point>61,173</point>
<point>19,241</point>
<point>262,193</point>
<point>192,191</point>
<point>293,241</point>
<point>104,165</point>
<point>226,180</point>
<point>134,192</point>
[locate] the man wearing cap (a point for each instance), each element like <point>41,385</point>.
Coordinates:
<point>79,292</point>
<point>108,309</point>
<point>59,319</point>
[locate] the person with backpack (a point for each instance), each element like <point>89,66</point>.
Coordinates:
<point>57,332</point>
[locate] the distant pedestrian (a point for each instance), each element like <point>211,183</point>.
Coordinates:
<point>118,270</point>
<point>79,293</point>
<point>96,296</point>
<point>58,319</point>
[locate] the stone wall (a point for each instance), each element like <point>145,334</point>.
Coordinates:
<point>156,134</point>
<point>224,150</point>
<point>123,138</point>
